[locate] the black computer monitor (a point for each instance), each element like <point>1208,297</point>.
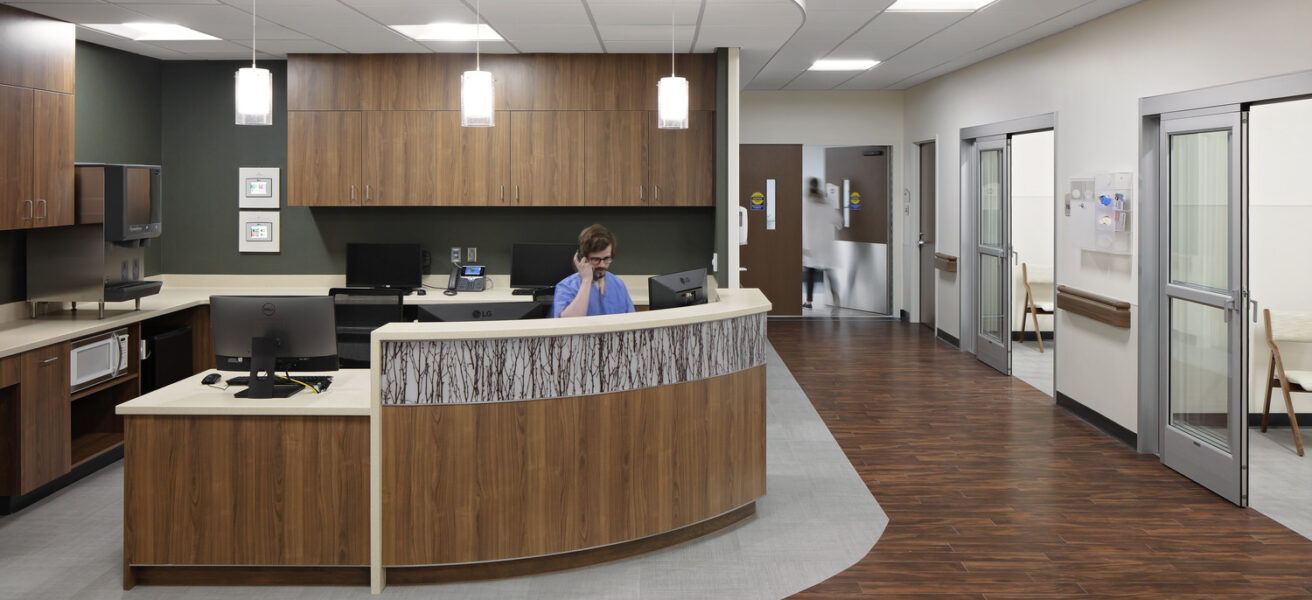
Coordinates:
<point>684,288</point>
<point>483,311</point>
<point>540,266</point>
<point>384,265</point>
<point>261,334</point>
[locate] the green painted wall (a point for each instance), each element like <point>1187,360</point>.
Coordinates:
<point>203,149</point>
<point>117,117</point>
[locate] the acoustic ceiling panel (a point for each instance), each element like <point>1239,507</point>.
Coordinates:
<point>218,20</point>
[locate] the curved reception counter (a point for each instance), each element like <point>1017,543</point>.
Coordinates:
<point>495,449</point>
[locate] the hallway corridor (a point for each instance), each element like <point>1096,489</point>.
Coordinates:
<point>994,493</point>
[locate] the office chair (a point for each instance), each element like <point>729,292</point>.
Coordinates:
<point>1033,308</point>
<point>358,313</point>
<point>1294,327</point>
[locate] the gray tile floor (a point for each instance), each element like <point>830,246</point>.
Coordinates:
<point>1031,366</point>
<point>817,519</point>
<point>1280,481</point>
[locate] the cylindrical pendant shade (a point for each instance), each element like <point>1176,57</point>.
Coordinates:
<point>672,103</point>
<point>254,96</point>
<point>476,100</point>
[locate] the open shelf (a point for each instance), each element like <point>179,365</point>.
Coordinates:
<point>103,386</point>
<point>91,445</point>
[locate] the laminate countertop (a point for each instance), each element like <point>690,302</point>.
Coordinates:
<point>181,292</point>
<point>347,396</point>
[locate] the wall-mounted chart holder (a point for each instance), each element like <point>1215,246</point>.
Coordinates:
<point>258,187</point>
<point>1113,208</point>
<point>258,231</point>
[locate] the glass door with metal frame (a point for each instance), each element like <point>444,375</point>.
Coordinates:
<point>1204,420</point>
<point>993,253</point>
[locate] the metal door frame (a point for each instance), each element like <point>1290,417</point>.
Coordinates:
<point>1225,473</point>
<point>916,315</point>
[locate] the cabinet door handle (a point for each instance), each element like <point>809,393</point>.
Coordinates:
<point>29,210</point>
<point>516,194</point>
<point>44,208</point>
<point>49,360</point>
<point>352,193</point>
<point>640,196</point>
<point>503,192</point>
<point>658,192</point>
<point>366,192</point>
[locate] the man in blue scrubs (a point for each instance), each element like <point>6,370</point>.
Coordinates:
<point>594,290</point>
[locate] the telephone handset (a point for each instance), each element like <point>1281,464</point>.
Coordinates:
<point>466,277</point>
<point>596,275</point>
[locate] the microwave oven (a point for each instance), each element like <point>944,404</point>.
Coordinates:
<point>97,359</point>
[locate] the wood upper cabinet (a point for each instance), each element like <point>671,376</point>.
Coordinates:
<point>36,158</point>
<point>323,157</point>
<point>52,168</point>
<point>36,51</point>
<point>400,158</point>
<point>615,158</point>
<point>44,417</point>
<point>546,158</point>
<point>683,162</point>
<point>17,206</point>
<point>325,82</point>
<point>473,162</point>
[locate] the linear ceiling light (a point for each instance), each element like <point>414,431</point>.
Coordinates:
<point>254,102</point>
<point>449,32</point>
<point>149,32</point>
<point>835,64</point>
<point>938,5</point>
<point>477,90</point>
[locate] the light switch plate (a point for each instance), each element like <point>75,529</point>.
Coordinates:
<point>471,254</point>
<point>455,254</point>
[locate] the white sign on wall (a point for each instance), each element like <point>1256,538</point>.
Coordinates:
<point>258,187</point>
<point>258,231</point>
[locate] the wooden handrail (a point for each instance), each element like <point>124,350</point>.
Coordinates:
<point>945,262</point>
<point>1099,308</point>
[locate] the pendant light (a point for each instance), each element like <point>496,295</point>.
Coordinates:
<point>672,93</point>
<point>254,89</point>
<point>476,95</point>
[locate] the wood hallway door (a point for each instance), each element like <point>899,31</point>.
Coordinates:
<point>770,182</point>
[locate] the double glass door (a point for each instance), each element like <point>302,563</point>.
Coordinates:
<point>993,253</point>
<point>1204,294</point>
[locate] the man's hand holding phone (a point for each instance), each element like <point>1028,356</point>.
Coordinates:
<point>583,266</point>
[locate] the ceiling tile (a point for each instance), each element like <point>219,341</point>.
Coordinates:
<point>686,12</point>
<point>281,48</point>
<point>550,34</point>
<point>219,20</point>
<point>638,47</point>
<point>341,26</point>
<point>576,45</point>
<point>126,45</point>
<point>393,13</point>
<point>468,47</point>
<point>645,33</point>
<point>82,12</point>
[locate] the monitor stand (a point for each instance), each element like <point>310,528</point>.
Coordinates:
<point>262,377</point>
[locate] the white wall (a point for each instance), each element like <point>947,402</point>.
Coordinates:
<point>1032,212</point>
<point>1093,76</point>
<point>838,118</point>
<point>1280,235</point>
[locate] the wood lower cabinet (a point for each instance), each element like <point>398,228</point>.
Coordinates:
<point>547,158</point>
<point>36,158</point>
<point>683,162</point>
<point>400,152</point>
<point>323,157</point>
<point>43,417</point>
<point>615,158</point>
<point>473,163</point>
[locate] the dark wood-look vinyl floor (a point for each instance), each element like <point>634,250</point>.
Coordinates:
<point>995,493</point>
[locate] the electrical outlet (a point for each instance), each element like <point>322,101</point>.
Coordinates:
<point>471,253</point>
<point>455,254</point>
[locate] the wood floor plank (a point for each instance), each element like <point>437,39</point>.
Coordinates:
<point>994,493</point>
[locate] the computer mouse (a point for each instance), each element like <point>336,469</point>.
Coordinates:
<point>210,379</point>
<point>421,292</point>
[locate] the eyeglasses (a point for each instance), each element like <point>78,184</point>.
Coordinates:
<point>597,260</point>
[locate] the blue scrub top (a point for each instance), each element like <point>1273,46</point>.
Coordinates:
<point>615,301</point>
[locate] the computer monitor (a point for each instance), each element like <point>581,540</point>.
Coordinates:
<point>483,311</point>
<point>684,288</point>
<point>384,265</point>
<point>261,334</point>
<point>540,266</point>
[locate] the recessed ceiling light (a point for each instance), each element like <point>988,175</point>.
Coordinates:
<point>146,32</point>
<point>938,5</point>
<point>449,32</point>
<point>834,64</point>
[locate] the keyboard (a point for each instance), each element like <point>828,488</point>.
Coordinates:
<point>522,291</point>
<point>320,382</point>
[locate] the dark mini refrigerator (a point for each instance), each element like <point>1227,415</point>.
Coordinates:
<point>167,358</point>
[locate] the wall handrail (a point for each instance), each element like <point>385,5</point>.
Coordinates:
<point>945,262</point>
<point>1099,308</point>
